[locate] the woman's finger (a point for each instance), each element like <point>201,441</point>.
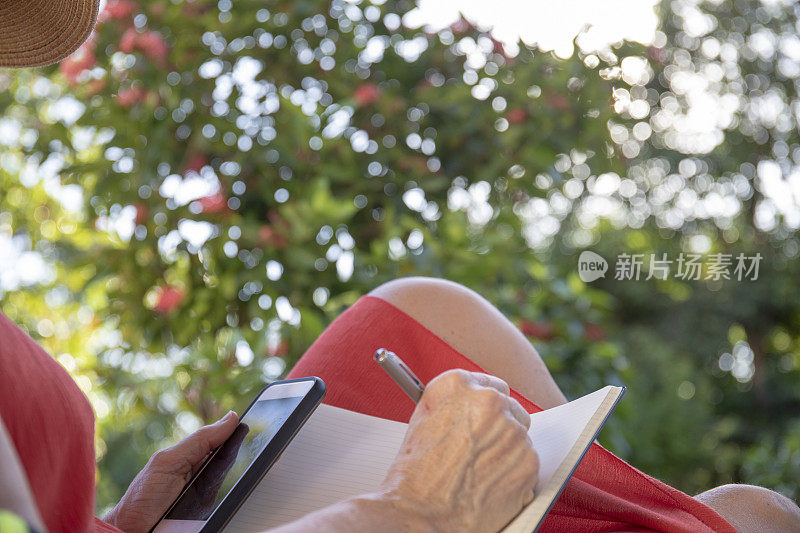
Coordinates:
<point>487,380</point>
<point>519,412</point>
<point>493,382</point>
<point>194,448</point>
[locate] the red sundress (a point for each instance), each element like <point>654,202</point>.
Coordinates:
<point>51,424</point>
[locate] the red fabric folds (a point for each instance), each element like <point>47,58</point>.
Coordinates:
<point>51,425</point>
<point>605,494</point>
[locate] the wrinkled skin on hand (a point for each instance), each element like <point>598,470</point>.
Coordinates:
<point>467,463</point>
<point>202,493</point>
<point>163,478</point>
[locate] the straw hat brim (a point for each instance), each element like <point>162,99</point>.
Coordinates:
<point>41,32</point>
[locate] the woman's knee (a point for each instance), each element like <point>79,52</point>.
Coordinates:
<point>475,328</point>
<point>447,308</point>
<point>417,291</point>
<point>749,508</point>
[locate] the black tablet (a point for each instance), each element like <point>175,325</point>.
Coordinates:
<point>234,469</point>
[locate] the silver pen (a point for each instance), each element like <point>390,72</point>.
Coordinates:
<point>400,373</point>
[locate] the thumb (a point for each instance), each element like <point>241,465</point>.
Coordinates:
<point>192,449</point>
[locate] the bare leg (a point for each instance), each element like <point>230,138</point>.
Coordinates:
<point>752,509</point>
<point>477,329</point>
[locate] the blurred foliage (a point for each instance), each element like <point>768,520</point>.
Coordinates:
<point>205,185</point>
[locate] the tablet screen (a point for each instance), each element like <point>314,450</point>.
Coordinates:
<point>256,428</point>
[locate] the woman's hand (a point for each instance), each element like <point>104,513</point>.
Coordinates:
<point>162,479</point>
<point>467,463</point>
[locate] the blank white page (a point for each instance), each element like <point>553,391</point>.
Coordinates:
<point>561,436</point>
<point>556,430</point>
<point>337,454</point>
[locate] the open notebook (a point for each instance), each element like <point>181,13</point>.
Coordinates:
<point>339,453</point>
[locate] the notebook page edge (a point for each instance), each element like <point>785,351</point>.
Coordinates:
<point>530,518</point>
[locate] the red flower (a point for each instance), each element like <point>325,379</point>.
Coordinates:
<point>281,350</point>
<point>154,47</point>
<point>130,96</point>
<point>367,94</point>
<point>95,86</point>
<point>195,162</point>
<point>594,332</point>
<point>497,47</point>
<point>214,203</point>
<point>168,298</point>
<point>128,41</point>
<point>150,43</point>
<point>80,61</point>
<point>542,330</point>
<point>461,26</point>
<point>558,101</point>
<point>658,55</point>
<point>117,10</point>
<point>516,115</point>
<point>268,236</point>
<point>141,213</point>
